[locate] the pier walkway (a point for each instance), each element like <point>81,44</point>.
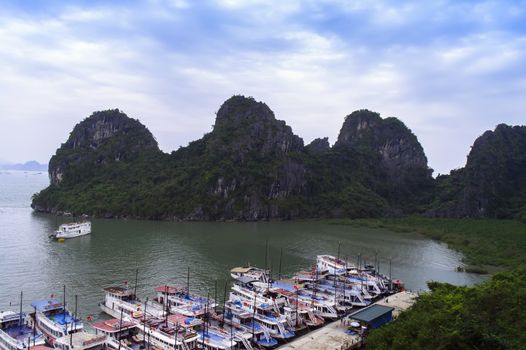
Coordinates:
<point>333,336</point>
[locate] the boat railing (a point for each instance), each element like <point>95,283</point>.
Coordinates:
<point>9,339</point>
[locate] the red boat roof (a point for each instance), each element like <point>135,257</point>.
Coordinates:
<point>114,325</point>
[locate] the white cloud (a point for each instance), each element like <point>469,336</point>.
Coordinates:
<point>448,71</point>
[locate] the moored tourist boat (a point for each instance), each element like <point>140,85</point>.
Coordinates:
<point>236,316</point>
<point>257,276</point>
<point>121,334</point>
<point>173,332</point>
<point>16,333</point>
<point>119,299</point>
<point>72,230</point>
<point>266,311</point>
<point>54,320</point>
<point>331,264</point>
<point>179,301</point>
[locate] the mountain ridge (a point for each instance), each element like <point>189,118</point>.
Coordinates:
<point>251,166</point>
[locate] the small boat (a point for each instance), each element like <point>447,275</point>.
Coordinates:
<point>16,334</point>
<point>72,230</point>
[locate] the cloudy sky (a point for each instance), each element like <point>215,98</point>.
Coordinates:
<point>449,69</point>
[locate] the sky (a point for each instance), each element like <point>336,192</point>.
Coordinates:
<point>448,69</point>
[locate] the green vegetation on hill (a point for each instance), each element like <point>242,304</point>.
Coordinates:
<point>491,315</point>
<point>250,167</point>
<point>493,182</point>
<point>490,242</point>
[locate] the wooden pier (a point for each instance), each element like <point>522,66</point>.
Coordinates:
<point>333,336</point>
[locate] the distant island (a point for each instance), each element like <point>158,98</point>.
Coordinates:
<point>31,165</point>
<point>251,166</point>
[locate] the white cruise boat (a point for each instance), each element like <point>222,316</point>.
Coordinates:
<point>297,308</point>
<point>258,277</point>
<point>117,299</point>
<point>267,312</point>
<point>180,302</point>
<point>242,319</point>
<point>123,331</point>
<point>347,297</point>
<point>16,334</point>
<point>322,306</point>
<point>54,320</point>
<point>332,265</point>
<point>72,230</point>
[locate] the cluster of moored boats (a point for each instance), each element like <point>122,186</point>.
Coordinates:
<point>257,313</point>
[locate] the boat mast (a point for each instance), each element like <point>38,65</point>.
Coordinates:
<point>166,307</point>
<point>280,257</point>
<point>207,310</point>
<point>188,281</point>
<point>34,325</point>
<point>266,258</point>
<point>269,277</point>
<point>254,316</point>
<point>120,329</point>
<point>20,316</point>
<point>64,306</point>
<point>390,277</point>
<point>215,296</point>
<point>224,304</point>
<point>73,324</point>
<point>144,326</point>
<point>136,279</point>
<point>335,275</point>
<point>344,283</point>
<point>297,302</point>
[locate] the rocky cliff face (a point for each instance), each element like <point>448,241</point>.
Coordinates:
<point>244,126</point>
<point>250,150</point>
<point>393,153</point>
<point>493,182</point>
<point>397,147</point>
<point>103,137</point>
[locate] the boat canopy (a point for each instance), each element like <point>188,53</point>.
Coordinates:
<point>47,304</point>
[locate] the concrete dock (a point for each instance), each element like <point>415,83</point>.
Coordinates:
<point>333,336</point>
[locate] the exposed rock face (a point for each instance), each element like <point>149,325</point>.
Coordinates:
<point>396,145</point>
<point>103,137</point>
<point>245,126</point>
<point>319,145</point>
<point>493,182</point>
<point>251,148</point>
